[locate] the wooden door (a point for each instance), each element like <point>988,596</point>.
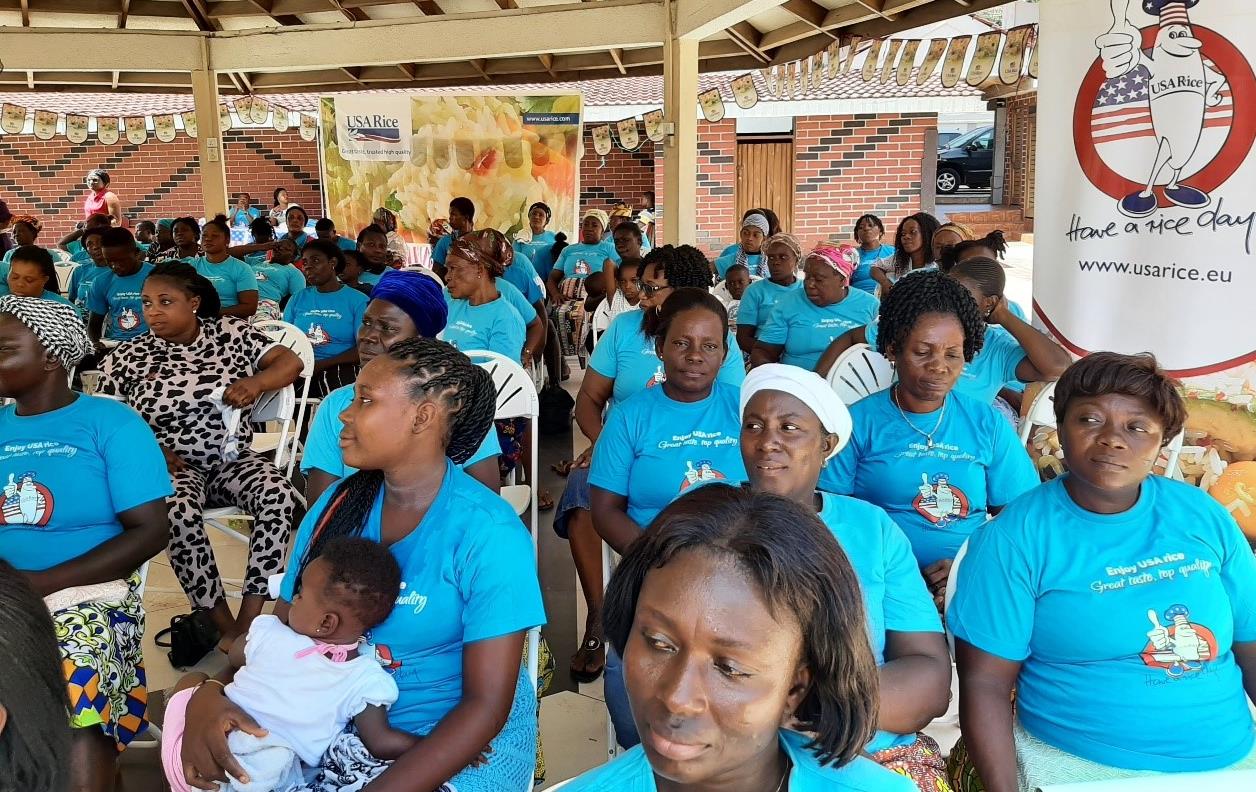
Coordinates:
<point>765,177</point>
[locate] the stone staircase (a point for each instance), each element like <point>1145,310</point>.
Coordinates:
<point>1010,220</point>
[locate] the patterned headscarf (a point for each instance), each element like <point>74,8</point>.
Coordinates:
<point>438,228</point>
<point>788,240</point>
<point>55,324</point>
<point>385,219</point>
<point>30,220</point>
<point>754,220</point>
<point>602,217</point>
<point>419,296</point>
<point>488,248</point>
<point>842,258</point>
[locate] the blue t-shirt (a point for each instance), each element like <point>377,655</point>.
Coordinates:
<point>862,278</point>
<point>806,330</point>
<point>754,262</point>
<point>537,247</point>
<point>51,295</point>
<point>345,243</point>
<point>937,495</point>
<point>322,446</point>
<point>515,298</point>
<point>631,772</point>
<point>242,219</point>
<point>894,593</point>
<point>330,319</point>
<point>581,260</point>
<point>78,253</point>
<point>1123,624</point>
<point>625,355</point>
<point>276,281</point>
<point>300,239</point>
<point>653,449</point>
<point>523,277</point>
<point>990,369</point>
<point>468,575</point>
<point>118,300</point>
<point>370,278</point>
<point>440,251</point>
<point>81,281</point>
<point>494,326</point>
<point>229,276</point>
<point>65,476</point>
<point>759,299</point>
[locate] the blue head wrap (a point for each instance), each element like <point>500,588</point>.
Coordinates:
<point>419,296</point>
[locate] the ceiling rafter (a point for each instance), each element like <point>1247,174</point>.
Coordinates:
<point>748,38</point>
<point>429,7</point>
<point>122,13</point>
<point>877,7</point>
<point>547,60</point>
<point>26,13</point>
<point>196,10</point>
<point>617,55</point>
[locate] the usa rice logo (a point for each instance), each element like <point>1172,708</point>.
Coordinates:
<point>376,128</point>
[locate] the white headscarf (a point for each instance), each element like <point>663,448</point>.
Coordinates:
<point>808,387</point>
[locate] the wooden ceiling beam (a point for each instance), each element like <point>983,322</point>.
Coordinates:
<point>196,10</point>
<point>547,60</point>
<point>748,38</point>
<point>507,5</point>
<point>429,8</point>
<point>810,12</point>
<point>617,55</point>
<point>875,6</point>
<point>26,13</point>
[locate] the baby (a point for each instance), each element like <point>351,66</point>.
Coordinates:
<point>305,680</point>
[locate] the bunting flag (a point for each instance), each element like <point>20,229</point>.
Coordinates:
<point>12,118</point>
<point>744,91</point>
<point>817,71</point>
<point>281,120</point>
<point>769,78</point>
<point>1033,60</point>
<point>1012,60</point>
<point>781,88</point>
<point>906,62</point>
<point>871,60</point>
<point>224,118</point>
<point>933,56</point>
<point>653,121</point>
<point>804,77</point>
<point>244,109</point>
<point>163,127</point>
<point>851,50</point>
<point>136,130</point>
<point>982,64</point>
<point>309,128</point>
<point>601,139</point>
<point>712,105</point>
<point>76,129</point>
<point>189,123</point>
<point>259,110</point>
<point>107,130</point>
<point>891,60</point>
<point>832,60</point>
<point>629,135</point>
<point>953,66</point>
<point>45,124</point>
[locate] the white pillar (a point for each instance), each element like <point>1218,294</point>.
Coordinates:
<point>209,142</point>
<point>680,161</point>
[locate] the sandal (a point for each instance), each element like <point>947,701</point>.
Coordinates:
<point>591,647</point>
<point>564,467</point>
<point>544,501</point>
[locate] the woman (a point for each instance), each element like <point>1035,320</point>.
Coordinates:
<point>100,199</point>
<point>783,253</point>
<point>736,614</point>
<point>84,274</point>
<point>329,313</point>
<point>404,305</point>
<point>84,505</point>
<point>186,233</point>
<point>792,424</point>
<point>774,228</point>
<point>32,274</point>
<point>295,220</point>
<point>628,244</point>
<point>624,362</point>
<point>869,231</point>
<point>387,220</point>
<point>34,735</point>
<point>172,375</point>
<point>372,243</point>
<point>26,230</point>
<point>805,321</point>
<point>939,462</point>
<point>279,206</point>
<point>1156,575</point>
<point>163,242</point>
<point>232,278</point>
<point>278,279</point>
<point>913,250</point>
<point>355,269</point>
<point>539,245</point>
<point>572,292</point>
<point>755,229</point>
<point>457,661</point>
<point>948,236</point>
<point>242,213</point>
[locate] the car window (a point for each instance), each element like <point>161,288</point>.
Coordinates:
<point>985,141</point>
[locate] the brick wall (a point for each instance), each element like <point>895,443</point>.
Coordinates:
<point>153,180</point>
<point>1019,151</point>
<point>717,185</point>
<point>619,177</point>
<point>846,166</point>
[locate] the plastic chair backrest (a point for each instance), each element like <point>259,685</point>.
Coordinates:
<point>290,335</point>
<point>516,391</point>
<point>951,577</point>
<point>425,271</point>
<point>601,320</point>
<point>1041,412</point>
<point>860,371</point>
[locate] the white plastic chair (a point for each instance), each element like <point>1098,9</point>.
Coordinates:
<point>1042,413</point>
<point>517,398</point>
<point>951,577</point>
<point>609,559</point>
<point>860,371</point>
<point>425,271</point>
<point>601,320</point>
<point>290,336</point>
<point>65,268</point>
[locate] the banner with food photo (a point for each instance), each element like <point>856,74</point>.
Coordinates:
<point>1146,126</point>
<point>906,62</point>
<point>107,130</point>
<point>503,152</point>
<point>309,127</point>
<point>76,128</point>
<point>163,127</point>
<point>653,121</point>
<point>933,56</point>
<point>189,123</point>
<point>12,118</point>
<point>44,124</point>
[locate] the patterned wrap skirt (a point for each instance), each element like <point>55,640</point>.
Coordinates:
<point>922,762</point>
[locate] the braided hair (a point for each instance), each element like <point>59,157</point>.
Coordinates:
<point>683,266</point>
<point>193,283</point>
<point>987,273</point>
<point>437,372</point>
<point>262,230</point>
<point>928,227</point>
<point>928,292</point>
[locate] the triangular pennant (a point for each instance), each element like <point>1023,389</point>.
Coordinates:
<point>12,118</point>
<point>804,76</point>
<point>953,66</point>
<point>259,110</point>
<point>1033,60</point>
<point>769,78</point>
<point>871,60</point>
<point>744,91</point>
<point>906,62</point>
<point>817,71</point>
<point>629,134</point>
<point>891,60</point>
<point>832,60</point>
<point>602,139</point>
<point>982,64</point>
<point>852,49</point>
<point>163,128</point>
<point>224,118</point>
<point>1012,60</point>
<point>189,123</point>
<point>76,128</point>
<point>653,121</point>
<point>712,105</point>
<point>44,124</point>
<point>136,130</point>
<point>933,56</point>
<point>309,129</point>
<point>781,88</point>
<point>281,120</point>
<point>107,130</point>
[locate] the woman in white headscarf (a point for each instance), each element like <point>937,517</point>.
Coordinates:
<point>792,424</point>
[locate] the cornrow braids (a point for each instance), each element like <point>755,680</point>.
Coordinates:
<point>437,372</point>
<point>684,266</point>
<point>923,293</point>
<point>987,273</point>
<point>993,241</point>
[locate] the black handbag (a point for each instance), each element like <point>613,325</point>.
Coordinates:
<point>555,414</point>
<point>189,638</point>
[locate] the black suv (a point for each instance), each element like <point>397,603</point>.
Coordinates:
<point>967,161</point>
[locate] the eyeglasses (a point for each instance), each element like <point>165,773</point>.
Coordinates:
<point>650,289</point>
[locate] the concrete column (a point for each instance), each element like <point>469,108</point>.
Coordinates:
<point>1001,142</point>
<point>209,142</point>
<point>680,164</point>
